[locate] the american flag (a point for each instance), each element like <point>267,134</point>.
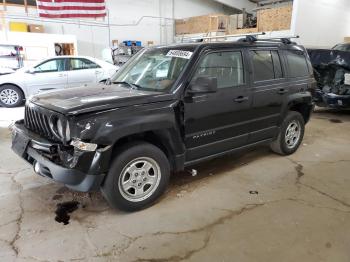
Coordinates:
<point>71,8</point>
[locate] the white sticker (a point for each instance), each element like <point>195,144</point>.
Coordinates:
<point>180,54</point>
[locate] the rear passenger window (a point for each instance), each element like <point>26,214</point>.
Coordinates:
<point>297,63</point>
<point>266,65</point>
<point>227,67</point>
<point>277,64</point>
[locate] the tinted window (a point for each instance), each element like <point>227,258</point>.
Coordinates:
<point>277,64</point>
<point>55,65</point>
<point>227,67</point>
<point>342,47</point>
<point>81,63</point>
<point>297,64</point>
<point>262,65</point>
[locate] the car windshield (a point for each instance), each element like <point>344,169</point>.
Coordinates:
<point>154,69</point>
<point>342,47</point>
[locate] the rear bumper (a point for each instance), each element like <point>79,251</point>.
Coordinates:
<point>332,100</point>
<point>36,151</point>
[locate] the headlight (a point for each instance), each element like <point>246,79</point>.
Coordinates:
<point>60,128</point>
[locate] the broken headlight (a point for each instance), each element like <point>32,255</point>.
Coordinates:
<point>60,128</point>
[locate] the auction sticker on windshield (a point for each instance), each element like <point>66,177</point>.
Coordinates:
<point>180,54</point>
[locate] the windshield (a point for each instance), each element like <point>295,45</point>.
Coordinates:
<point>342,47</point>
<point>154,69</point>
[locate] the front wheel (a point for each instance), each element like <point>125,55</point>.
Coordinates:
<point>11,96</point>
<point>291,134</point>
<point>138,176</point>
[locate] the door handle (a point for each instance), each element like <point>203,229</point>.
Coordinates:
<point>62,75</point>
<point>98,72</point>
<point>241,99</point>
<point>282,91</point>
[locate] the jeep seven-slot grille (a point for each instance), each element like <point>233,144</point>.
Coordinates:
<point>38,123</point>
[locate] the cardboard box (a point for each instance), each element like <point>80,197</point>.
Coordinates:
<point>36,28</point>
<point>18,27</point>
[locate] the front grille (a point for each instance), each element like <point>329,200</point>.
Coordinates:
<point>38,122</point>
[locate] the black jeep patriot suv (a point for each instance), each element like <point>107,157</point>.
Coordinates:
<point>168,108</point>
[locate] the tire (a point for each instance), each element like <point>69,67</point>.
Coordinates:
<point>284,144</point>
<point>11,96</point>
<point>129,166</point>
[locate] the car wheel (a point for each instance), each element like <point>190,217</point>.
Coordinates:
<point>11,96</point>
<point>291,134</point>
<point>138,176</point>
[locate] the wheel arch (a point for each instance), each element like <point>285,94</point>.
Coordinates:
<point>13,84</point>
<point>164,139</point>
<point>301,103</point>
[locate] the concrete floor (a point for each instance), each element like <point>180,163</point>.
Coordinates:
<point>255,207</point>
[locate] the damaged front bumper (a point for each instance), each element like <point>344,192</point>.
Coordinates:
<point>79,170</point>
<point>331,100</point>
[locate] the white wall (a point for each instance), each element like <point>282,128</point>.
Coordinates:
<point>321,23</point>
<point>124,20</point>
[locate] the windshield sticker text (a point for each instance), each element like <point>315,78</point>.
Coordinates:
<point>180,54</point>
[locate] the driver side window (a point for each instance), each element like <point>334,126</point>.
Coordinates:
<point>55,65</point>
<point>227,67</point>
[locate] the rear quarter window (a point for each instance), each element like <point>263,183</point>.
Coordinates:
<point>297,63</point>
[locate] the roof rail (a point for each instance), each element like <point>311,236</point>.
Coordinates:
<point>202,38</point>
<point>283,39</point>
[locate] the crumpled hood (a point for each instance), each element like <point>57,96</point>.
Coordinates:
<point>90,98</point>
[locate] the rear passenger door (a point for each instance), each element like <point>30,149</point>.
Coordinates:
<point>216,122</point>
<point>269,92</point>
<point>299,70</point>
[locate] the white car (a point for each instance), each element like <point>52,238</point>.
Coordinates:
<point>54,73</point>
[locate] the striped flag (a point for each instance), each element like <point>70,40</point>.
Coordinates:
<point>71,8</point>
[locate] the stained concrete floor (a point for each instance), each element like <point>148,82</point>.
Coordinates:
<point>254,207</point>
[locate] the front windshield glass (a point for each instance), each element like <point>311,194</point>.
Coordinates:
<point>342,47</point>
<point>154,69</point>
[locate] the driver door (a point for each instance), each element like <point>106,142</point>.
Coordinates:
<point>217,122</point>
<point>49,75</point>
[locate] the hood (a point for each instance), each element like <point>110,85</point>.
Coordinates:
<point>91,98</point>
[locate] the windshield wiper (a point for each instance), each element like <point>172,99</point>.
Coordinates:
<point>132,86</point>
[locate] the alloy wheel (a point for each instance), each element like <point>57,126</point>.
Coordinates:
<point>9,96</point>
<point>139,179</point>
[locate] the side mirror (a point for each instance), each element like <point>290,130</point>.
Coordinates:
<point>203,84</point>
<point>31,70</point>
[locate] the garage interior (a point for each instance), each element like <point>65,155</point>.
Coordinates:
<point>248,206</point>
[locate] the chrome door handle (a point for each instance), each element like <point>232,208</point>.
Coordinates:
<point>241,99</point>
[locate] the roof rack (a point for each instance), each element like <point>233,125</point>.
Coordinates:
<point>283,39</point>
<point>202,38</point>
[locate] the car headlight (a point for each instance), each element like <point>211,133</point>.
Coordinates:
<point>60,128</point>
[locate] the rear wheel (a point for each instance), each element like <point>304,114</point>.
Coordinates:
<point>11,96</point>
<point>291,134</point>
<point>138,176</point>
